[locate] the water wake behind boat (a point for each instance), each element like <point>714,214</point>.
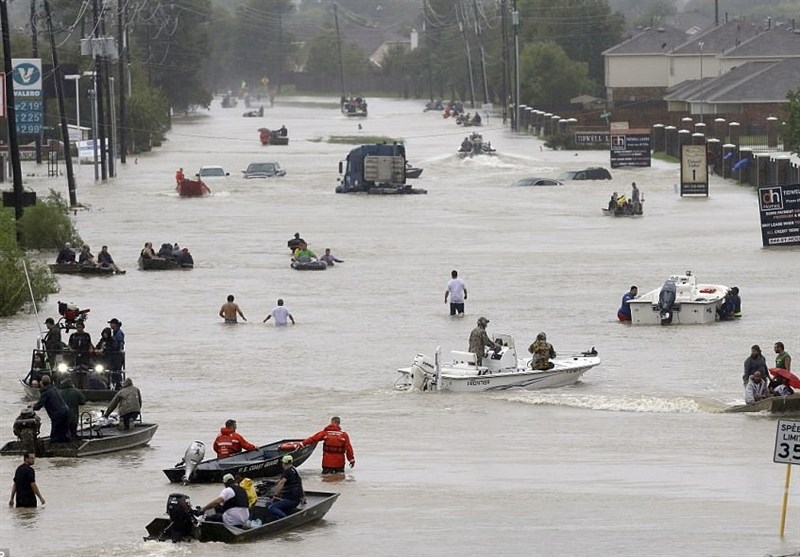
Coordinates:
<point>646,404</point>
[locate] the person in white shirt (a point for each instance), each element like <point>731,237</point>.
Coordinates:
<point>457,292</point>
<point>231,506</point>
<point>281,315</point>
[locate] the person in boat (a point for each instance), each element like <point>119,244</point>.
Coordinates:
<point>51,401</point>
<point>784,389</point>
<point>185,258</point>
<point>105,348</point>
<point>755,362</point>
<point>86,258</point>
<point>25,490</point>
<point>466,145</point>
<point>756,389</point>
<point>612,203</point>
<point>283,132</point>
<point>457,291</point>
<point>303,254</point>
<point>38,369</point>
<point>782,359</point>
<point>635,193</point>
<point>263,136</point>
<point>476,121</point>
<point>624,312</point>
<point>105,260</point>
<point>725,309</point>
<point>249,487</point>
<point>329,258</point>
<point>52,341</point>
<point>289,493</point>
<point>66,256</point>
<point>165,251</point>
<point>80,344</point>
<point>179,176</point>
<point>74,399</point>
<point>230,506</point>
<point>230,310</point>
<point>148,252</point>
<point>542,352</point>
<point>129,400</point>
<point>118,361</point>
<point>228,442</point>
<point>281,314</point>
<point>295,242</point>
<point>335,447</point>
<point>479,340</point>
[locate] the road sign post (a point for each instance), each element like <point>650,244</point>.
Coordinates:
<point>694,170</point>
<point>787,451</point>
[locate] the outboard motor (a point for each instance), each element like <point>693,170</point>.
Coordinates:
<point>26,429</point>
<point>666,301</point>
<point>192,457</point>
<point>181,517</point>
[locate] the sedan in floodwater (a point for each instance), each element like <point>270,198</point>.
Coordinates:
<point>538,182</point>
<point>591,173</point>
<point>263,170</point>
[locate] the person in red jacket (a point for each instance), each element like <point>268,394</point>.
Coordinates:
<point>335,446</point>
<point>228,442</point>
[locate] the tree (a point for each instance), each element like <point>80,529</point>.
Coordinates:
<point>261,46</point>
<point>791,134</point>
<point>548,76</point>
<point>323,58</point>
<point>583,28</point>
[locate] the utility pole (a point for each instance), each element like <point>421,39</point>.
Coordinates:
<point>515,23</point>
<point>480,48</point>
<point>58,80</point>
<point>339,45</point>
<point>108,92</point>
<point>98,88</point>
<point>122,38</point>
<point>35,53</point>
<point>469,59</point>
<point>504,55</point>
<point>11,114</point>
<point>281,50</point>
<point>428,45</point>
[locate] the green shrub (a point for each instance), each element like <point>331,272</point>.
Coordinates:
<point>47,225</point>
<point>14,292</point>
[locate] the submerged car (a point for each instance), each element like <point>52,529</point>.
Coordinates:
<point>212,172</point>
<point>263,170</point>
<point>538,182</point>
<point>592,173</point>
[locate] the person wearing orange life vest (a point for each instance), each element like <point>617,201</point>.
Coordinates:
<point>228,442</point>
<point>335,447</point>
<point>179,176</point>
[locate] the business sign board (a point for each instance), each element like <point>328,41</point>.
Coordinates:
<point>630,148</point>
<point>694,170</point>
<point>28,99</point>
<point>787,442</point>
<point>779,207</point>
<point>586,137</point>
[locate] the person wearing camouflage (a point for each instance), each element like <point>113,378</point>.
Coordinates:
<point>542,352</point>
<point>479,339</point>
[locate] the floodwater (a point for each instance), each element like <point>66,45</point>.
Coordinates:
<point>636,459</point>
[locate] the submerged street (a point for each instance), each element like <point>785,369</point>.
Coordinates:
<point>635,459</point>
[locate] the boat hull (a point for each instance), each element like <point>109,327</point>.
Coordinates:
<point>309,265</point>
<point>317,506</point>
<point>77,269</point>
<point>773,405</point>
<point>92,442</point>
<point>192,188</point>
<point>686,313</point>
<point>263,462</point>
<point>161,265</point>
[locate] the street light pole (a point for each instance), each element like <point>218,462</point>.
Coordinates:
<point>515,22</point>
<point>700,44</point>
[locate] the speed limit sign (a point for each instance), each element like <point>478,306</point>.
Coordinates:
<point>787,442</point>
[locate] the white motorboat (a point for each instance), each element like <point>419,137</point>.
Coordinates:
<point>498,371</point>
<point>679,300</point>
